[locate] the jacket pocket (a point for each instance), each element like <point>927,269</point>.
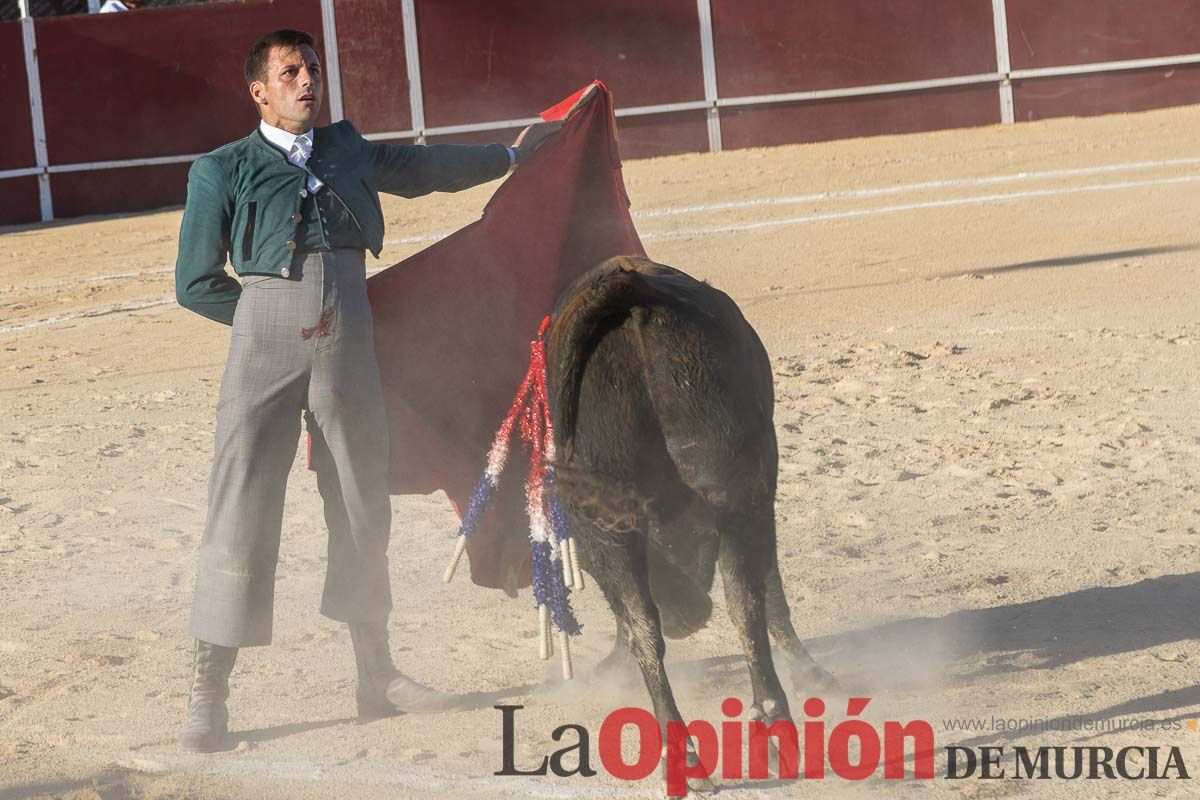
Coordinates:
<point>248,231</point>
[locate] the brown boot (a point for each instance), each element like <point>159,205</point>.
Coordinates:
<point>383,691</point>
<point>206,729</point>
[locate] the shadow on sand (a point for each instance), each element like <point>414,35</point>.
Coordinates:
<point>1040,634</point>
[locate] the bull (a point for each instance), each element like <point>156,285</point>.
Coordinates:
<point>662,398</point>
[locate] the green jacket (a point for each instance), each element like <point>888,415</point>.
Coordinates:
<point>244,202</point>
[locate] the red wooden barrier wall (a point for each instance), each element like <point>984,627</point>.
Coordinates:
<point>17,148</point>
<point>375,84</point>
<point>19,201</point>
<point>482,60</point>
<point>166,82</point>
<point>18,196</point>
<point>1053,33</point>
<point>1065,32</point>
<point>1087,95</point>
<point>161,83</point>
<point>766,47</point>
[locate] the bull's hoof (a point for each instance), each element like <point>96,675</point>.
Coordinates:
<point>769,717</point>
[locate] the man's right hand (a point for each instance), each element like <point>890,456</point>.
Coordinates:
<point>532,137</point>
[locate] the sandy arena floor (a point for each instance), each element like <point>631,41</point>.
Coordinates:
<point>986,346</point>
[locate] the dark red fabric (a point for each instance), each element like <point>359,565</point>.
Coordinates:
<point>453,323</point>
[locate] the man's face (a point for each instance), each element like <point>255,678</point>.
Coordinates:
<point>289,94</point>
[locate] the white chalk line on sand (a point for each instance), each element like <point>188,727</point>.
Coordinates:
<point>960,201</point>
<point>948,183</point>
<point>748,226</point>
<point>850,194</point>
<point>94,312</point>
<point>766,201</point>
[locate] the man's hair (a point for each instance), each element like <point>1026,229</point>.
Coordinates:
<point>260,51</point>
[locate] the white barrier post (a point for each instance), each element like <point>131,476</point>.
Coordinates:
<point>333,68</point>
<point>412,59</point>
<point>708,62</point>
<point>1003,62</point>
<point>34,77</point>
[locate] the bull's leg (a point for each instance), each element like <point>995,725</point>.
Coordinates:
<point>747,550</point>
<point>620,568</point>
<point>807,674</point>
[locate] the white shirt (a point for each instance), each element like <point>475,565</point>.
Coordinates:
<point>286,142</point>
<point>299,156</point>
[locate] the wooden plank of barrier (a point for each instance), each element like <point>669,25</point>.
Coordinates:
<point>16,151</point>
<point>374,65</point>
<point>765,47</point>
<point>19,201</point>
<point>910,112</point>
<point>1087,31</point>
<point>166,81</point>
<point>19,196</point>
<point>1088,34</point>
<point>482,61</point>
<point>117,191</point>
<point>1106,93</point>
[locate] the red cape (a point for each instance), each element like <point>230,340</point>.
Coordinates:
<point>453,322</point>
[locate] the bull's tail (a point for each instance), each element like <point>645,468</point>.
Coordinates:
<point>619,290</point>
<point>575,333</point>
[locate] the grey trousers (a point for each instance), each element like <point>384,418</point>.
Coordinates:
<point>299,345</point>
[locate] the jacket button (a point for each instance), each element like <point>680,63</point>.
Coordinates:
<point>291,245</point>
<point>304,192</point>
<point>296,217</point>
<point>285,272</point>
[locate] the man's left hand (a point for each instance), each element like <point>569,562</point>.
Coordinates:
<point>532,137</point>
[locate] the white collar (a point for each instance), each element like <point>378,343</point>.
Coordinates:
<point>281,138</point>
